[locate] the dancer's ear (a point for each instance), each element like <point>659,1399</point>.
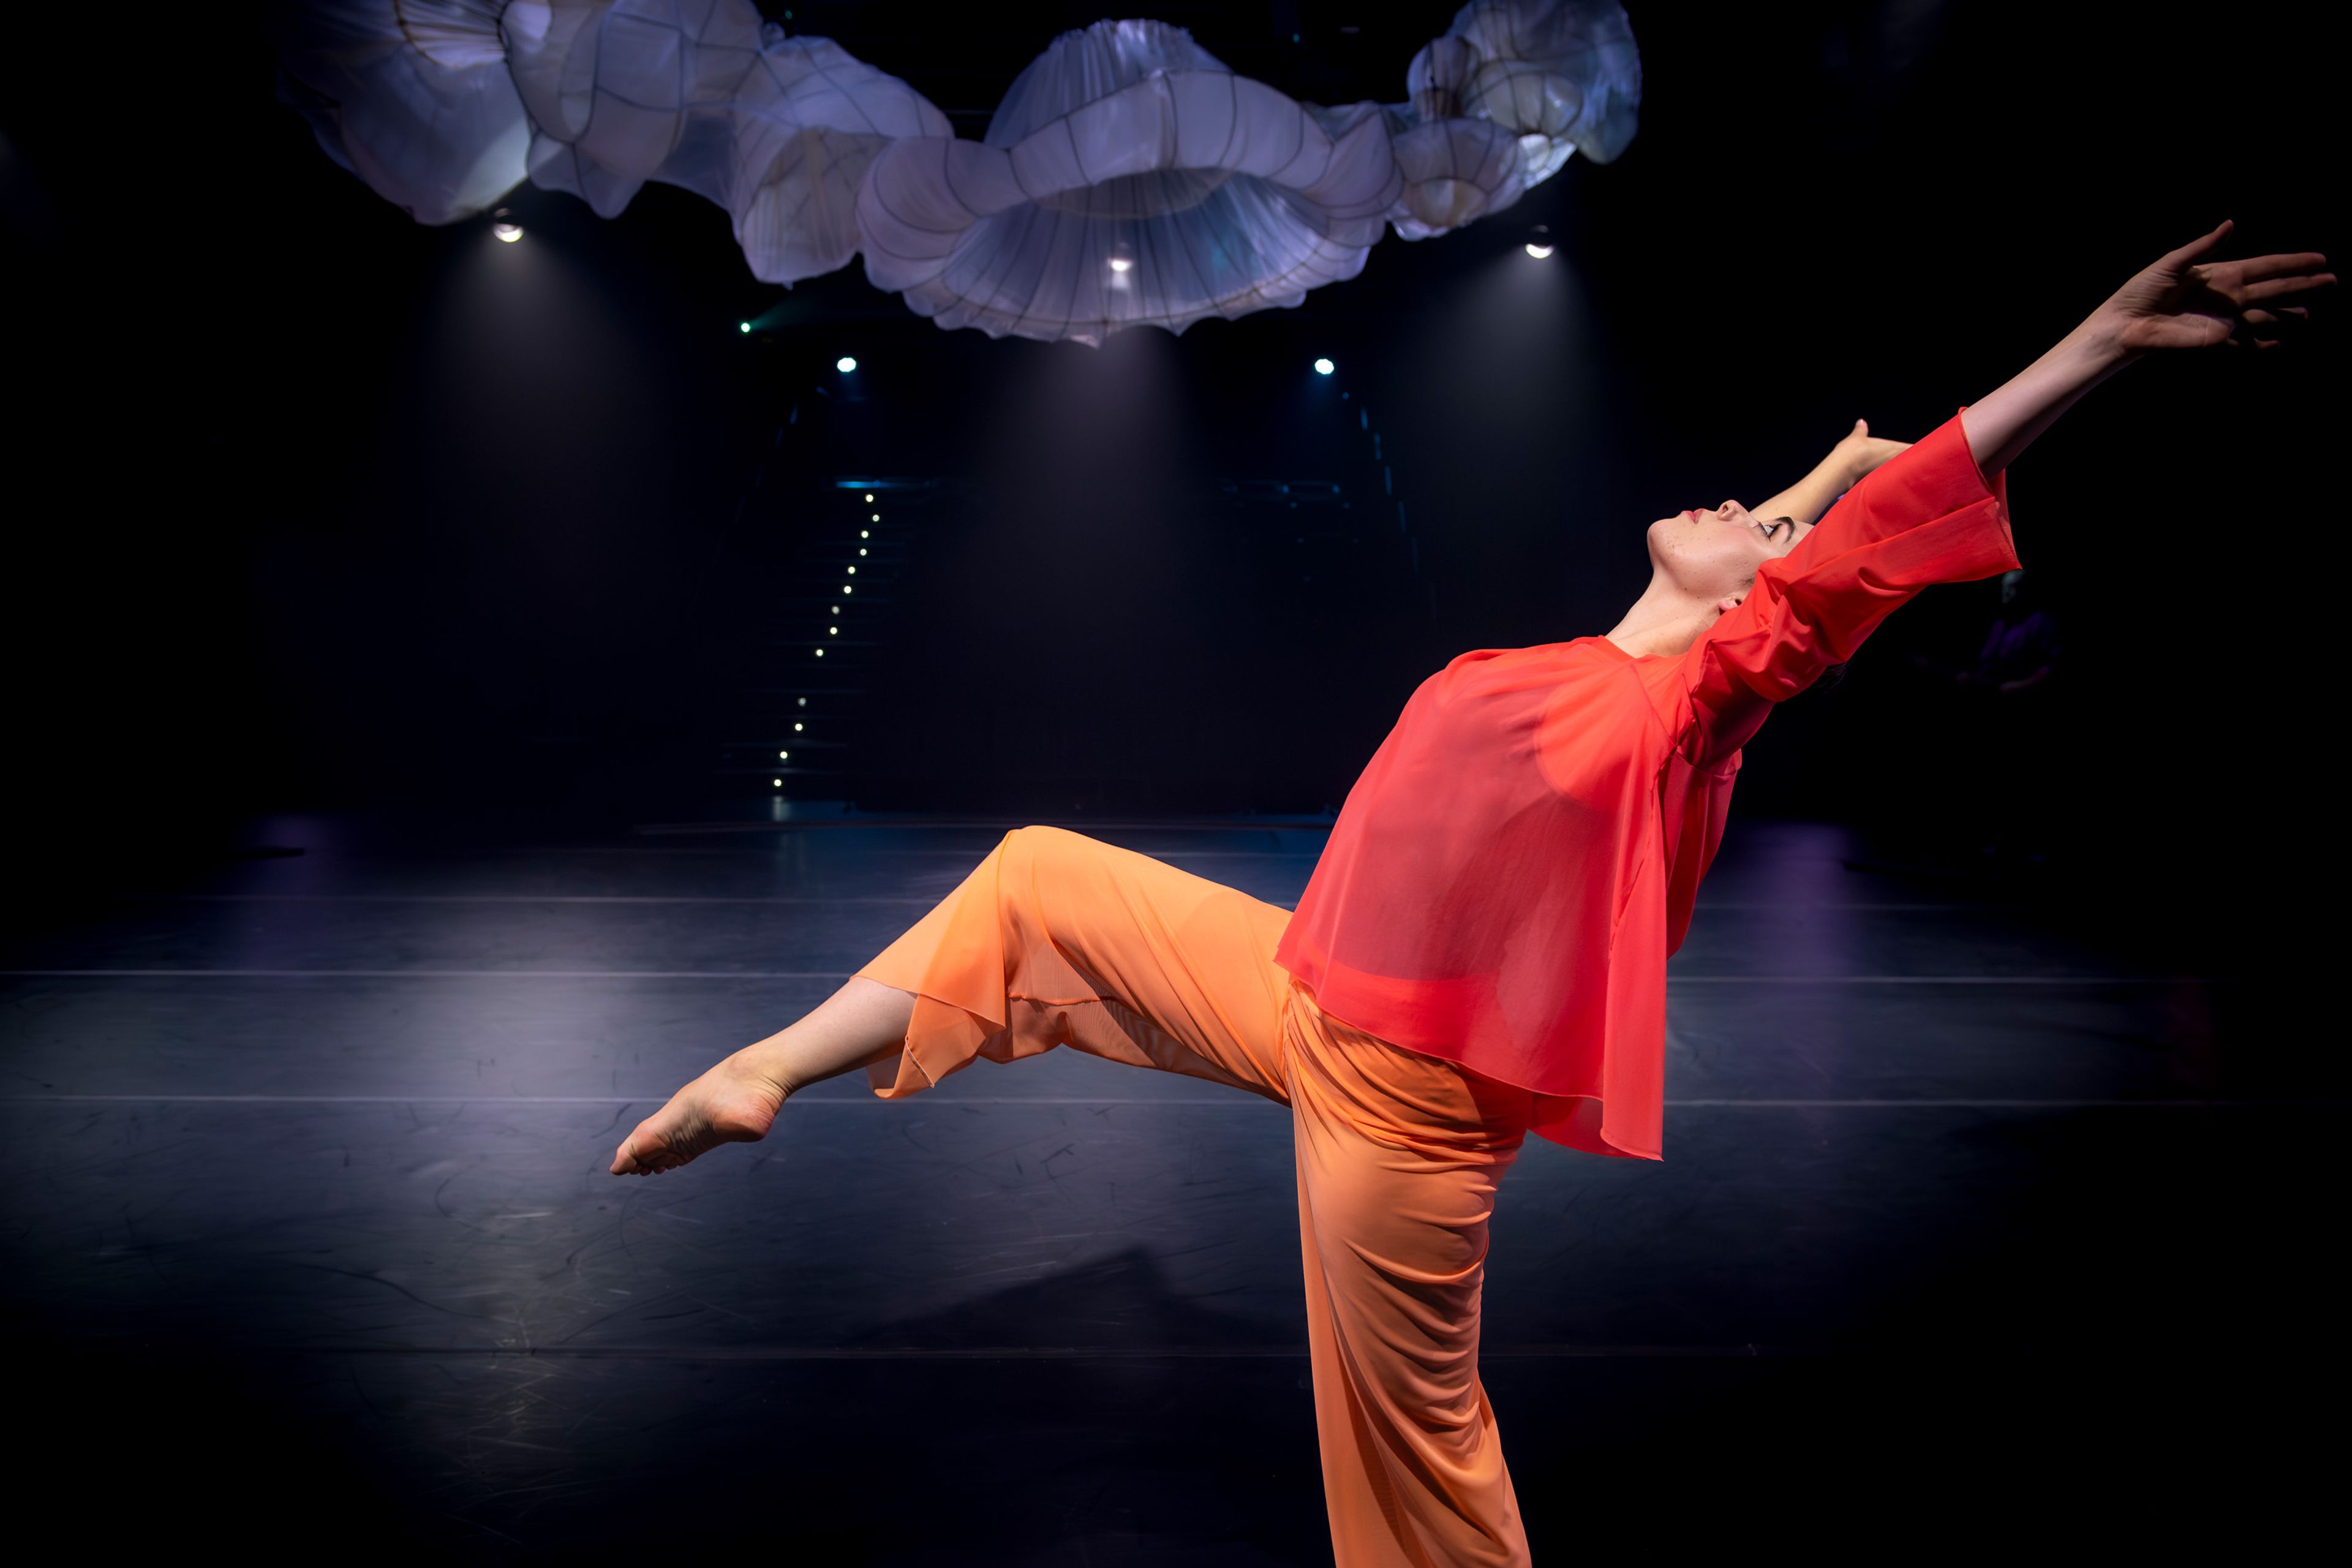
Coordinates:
<point>1727,603</point>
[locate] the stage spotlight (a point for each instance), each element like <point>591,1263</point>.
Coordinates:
<point>875,518</point>
<point>853,572</point>
<point>867,532</point>
<point>803,701</point>
<point>820,653</point>
<point>509,232</point>
<point>1324,367</point>
<point>870,495</point>
<point>777,783</point>
<point>844,365</point>
<point>781,756</point>
<point>833,631</point>
<point>1540,244</point>
<point>1538,251</point>
<point>797,729</point>
<point>744,327</point>
<point>861,550</point>
<point>1121,263</point>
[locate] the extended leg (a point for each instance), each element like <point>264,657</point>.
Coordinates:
<point>735,1102</point>
<point>1055,938</point>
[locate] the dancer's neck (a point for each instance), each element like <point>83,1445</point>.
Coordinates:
<point>1663,621</point>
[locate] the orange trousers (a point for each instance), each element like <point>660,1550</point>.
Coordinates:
<point>1059,940</point>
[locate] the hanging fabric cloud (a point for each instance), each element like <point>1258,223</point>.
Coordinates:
<point>1501,101</point>
<point>777,129</point>
<point>1129,178</point>
<point>808,122</point>
<point>412,96</point>
<point>623,91</point>
<point>1561,75</point>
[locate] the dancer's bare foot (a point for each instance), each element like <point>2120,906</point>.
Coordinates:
<point>732,1103</point>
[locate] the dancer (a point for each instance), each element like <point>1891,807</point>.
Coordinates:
<point>1481,952</point>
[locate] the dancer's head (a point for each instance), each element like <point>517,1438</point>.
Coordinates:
<point>1711,557</point>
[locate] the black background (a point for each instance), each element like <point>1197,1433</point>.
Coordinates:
<point>311,506</point>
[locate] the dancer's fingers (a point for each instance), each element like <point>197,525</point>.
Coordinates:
<point>2274,288</point>
<point>2197,247</point>
<point>2281,263</point>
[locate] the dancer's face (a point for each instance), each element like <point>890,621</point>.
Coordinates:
<point>1713,554</point>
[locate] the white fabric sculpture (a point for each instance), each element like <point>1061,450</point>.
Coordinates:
<point>412,96</point>
<point>623,91</point>
<point>1129,178</point>
<point>1500,104</point>
<point>808,122</point>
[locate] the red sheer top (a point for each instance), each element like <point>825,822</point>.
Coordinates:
<point>1510,873</point>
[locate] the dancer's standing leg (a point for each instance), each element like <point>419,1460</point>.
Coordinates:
<point>1400,1156</point>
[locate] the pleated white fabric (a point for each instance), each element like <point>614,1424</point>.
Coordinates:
<point>809,119</point>
<point>412,96</point>
<point>623,91</point>
<point>1129,178</point>
<point>1566,72</point>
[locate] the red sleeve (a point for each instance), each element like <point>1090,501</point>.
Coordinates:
<point>1926,517</point>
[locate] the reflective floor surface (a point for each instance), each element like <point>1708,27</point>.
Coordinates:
<point>1976,1216</point>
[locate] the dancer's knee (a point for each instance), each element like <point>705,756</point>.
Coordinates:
<point>1027,847</point>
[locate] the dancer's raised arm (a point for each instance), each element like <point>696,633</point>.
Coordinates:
<point>2179,301</point>
<point>1935,513</point>
<point>1853,458</point>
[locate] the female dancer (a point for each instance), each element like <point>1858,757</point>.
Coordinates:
<point>1481,952</point>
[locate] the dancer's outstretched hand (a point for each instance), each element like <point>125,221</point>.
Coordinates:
<point>1860,451</point>
<point>2182,301</point>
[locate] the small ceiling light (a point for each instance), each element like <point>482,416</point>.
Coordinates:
<point>1539,241</point>
<point>1324,367</point>
<point>803,701</point>
<point>778,783</point>
<point>820,653</point>
<point>846,587</point>
<point>853,572</point>
<point>743,327</point>
<point>833,631</point>
<point>861,550</point>
<point>796,730</point>
<point>865,533</point>
<point>870,495</point>
<point>1538,251</point>
<point>1121,263</point>
<point>782,754</point>
<point>510,232</point>
<point>844,365</point>
<point>875,517</point>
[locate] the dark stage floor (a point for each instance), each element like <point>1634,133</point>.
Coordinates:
<point>1976,1220</point>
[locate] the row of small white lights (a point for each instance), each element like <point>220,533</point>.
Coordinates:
<point>846,588</point>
